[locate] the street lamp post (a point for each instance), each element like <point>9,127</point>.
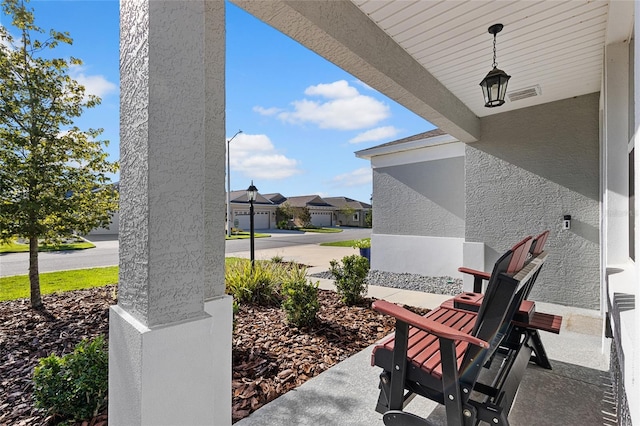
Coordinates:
<point>252,192</point>
<point>229,221</point>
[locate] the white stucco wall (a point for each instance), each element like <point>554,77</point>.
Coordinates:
<point>420,192</point>
<point>422,255</point>
<point>418,202</point>
<point>531,167</point>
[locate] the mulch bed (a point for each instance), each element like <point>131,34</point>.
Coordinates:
<point>269,357</point>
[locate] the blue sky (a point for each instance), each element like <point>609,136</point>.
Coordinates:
<point>302,117</point>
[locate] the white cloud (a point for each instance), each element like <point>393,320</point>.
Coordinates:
<point>266,111</point>
<point>358,177</point>
<point>336,90</point>
<point>377,134</point>
<point>96,85</point>
<point>345,109</point>
<point>256,157</point>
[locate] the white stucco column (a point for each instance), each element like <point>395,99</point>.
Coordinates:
<point>169,350</point>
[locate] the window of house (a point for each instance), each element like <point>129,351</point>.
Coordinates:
<point>356,217</point>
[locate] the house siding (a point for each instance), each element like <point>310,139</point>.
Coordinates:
<point>531,167</point>
<point>424,198</point>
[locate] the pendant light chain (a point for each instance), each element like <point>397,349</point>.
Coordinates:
<point>495,64</point>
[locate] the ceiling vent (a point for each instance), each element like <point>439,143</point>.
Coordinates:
<point>525,93</point>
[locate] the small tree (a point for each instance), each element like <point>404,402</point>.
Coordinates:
<point>368,218</point>
<point>350,278</point>
<point>284,213</point>
<point>53,176</point>
<point>303,216</point>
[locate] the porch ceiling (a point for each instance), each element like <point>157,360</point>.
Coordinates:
<point>430,55</point>
<point>556,45</point>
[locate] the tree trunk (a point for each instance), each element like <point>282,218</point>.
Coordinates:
<point>34,274</point>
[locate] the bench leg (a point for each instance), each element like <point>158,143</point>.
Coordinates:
<point>450,383</point>
<point>399,364</point>
<point>539,355</point>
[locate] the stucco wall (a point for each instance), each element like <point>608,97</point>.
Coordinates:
<point>531,167</point>
<point>425,198</point>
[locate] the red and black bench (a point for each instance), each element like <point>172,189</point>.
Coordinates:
<point>471,362</point>
<point>527,318</point>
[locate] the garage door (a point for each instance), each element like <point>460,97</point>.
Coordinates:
<point>260,220</point>
<point>321,218</point>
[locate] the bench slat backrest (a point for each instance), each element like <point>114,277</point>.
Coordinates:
<point>537,246</point>
<point>498,302</point>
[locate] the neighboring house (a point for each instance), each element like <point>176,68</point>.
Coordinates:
<point>321,211</point>
<point>419,196</point>
<point>264,211</point>
<point>349,212</point>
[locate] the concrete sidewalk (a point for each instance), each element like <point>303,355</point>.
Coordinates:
<point>576,392</point>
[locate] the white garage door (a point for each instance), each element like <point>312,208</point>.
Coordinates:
<point>321,218</point>
<point>260,220</point>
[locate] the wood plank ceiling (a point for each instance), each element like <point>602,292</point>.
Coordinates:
<point>556,45</point>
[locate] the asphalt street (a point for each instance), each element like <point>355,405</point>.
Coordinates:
<point>106,251</point>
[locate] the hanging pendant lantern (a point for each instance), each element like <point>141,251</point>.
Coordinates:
<point>494,85</point>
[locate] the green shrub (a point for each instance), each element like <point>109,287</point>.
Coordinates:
<point>363,243</point>
<point>351,278</point>
<point>277,259</point>
<point>301,298</point>
<point>74,386</point>
<point>258,285</point>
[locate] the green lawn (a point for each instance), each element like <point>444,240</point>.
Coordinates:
<point>17,287</point>
<point>322,230</point>
<point>14,247</point>
<point>245,235</point>
<point>347,243</point>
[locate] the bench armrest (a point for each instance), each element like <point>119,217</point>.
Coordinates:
<point>426,324</point>
<point>479,274</point>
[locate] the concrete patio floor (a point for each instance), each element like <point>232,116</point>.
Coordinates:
<point>577,392</point>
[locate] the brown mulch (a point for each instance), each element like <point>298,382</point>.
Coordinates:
<point>269,357</point>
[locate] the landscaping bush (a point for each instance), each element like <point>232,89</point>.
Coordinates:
<point>301,298</point>
<point>350,278</point>
<point>74,386</point>
<point>258,285</point>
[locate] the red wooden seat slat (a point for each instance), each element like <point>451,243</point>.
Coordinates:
<point>546,322</point>
<point>447,317</point>
<point>424,348</point>
<point>433,364</point>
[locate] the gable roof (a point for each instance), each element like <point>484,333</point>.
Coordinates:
<point>276,197</point>
<point>241,197</point>
<point>307,201</point>
<point>341,202</point>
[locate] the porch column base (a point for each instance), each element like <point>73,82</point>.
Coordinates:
<point>176,374</point>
